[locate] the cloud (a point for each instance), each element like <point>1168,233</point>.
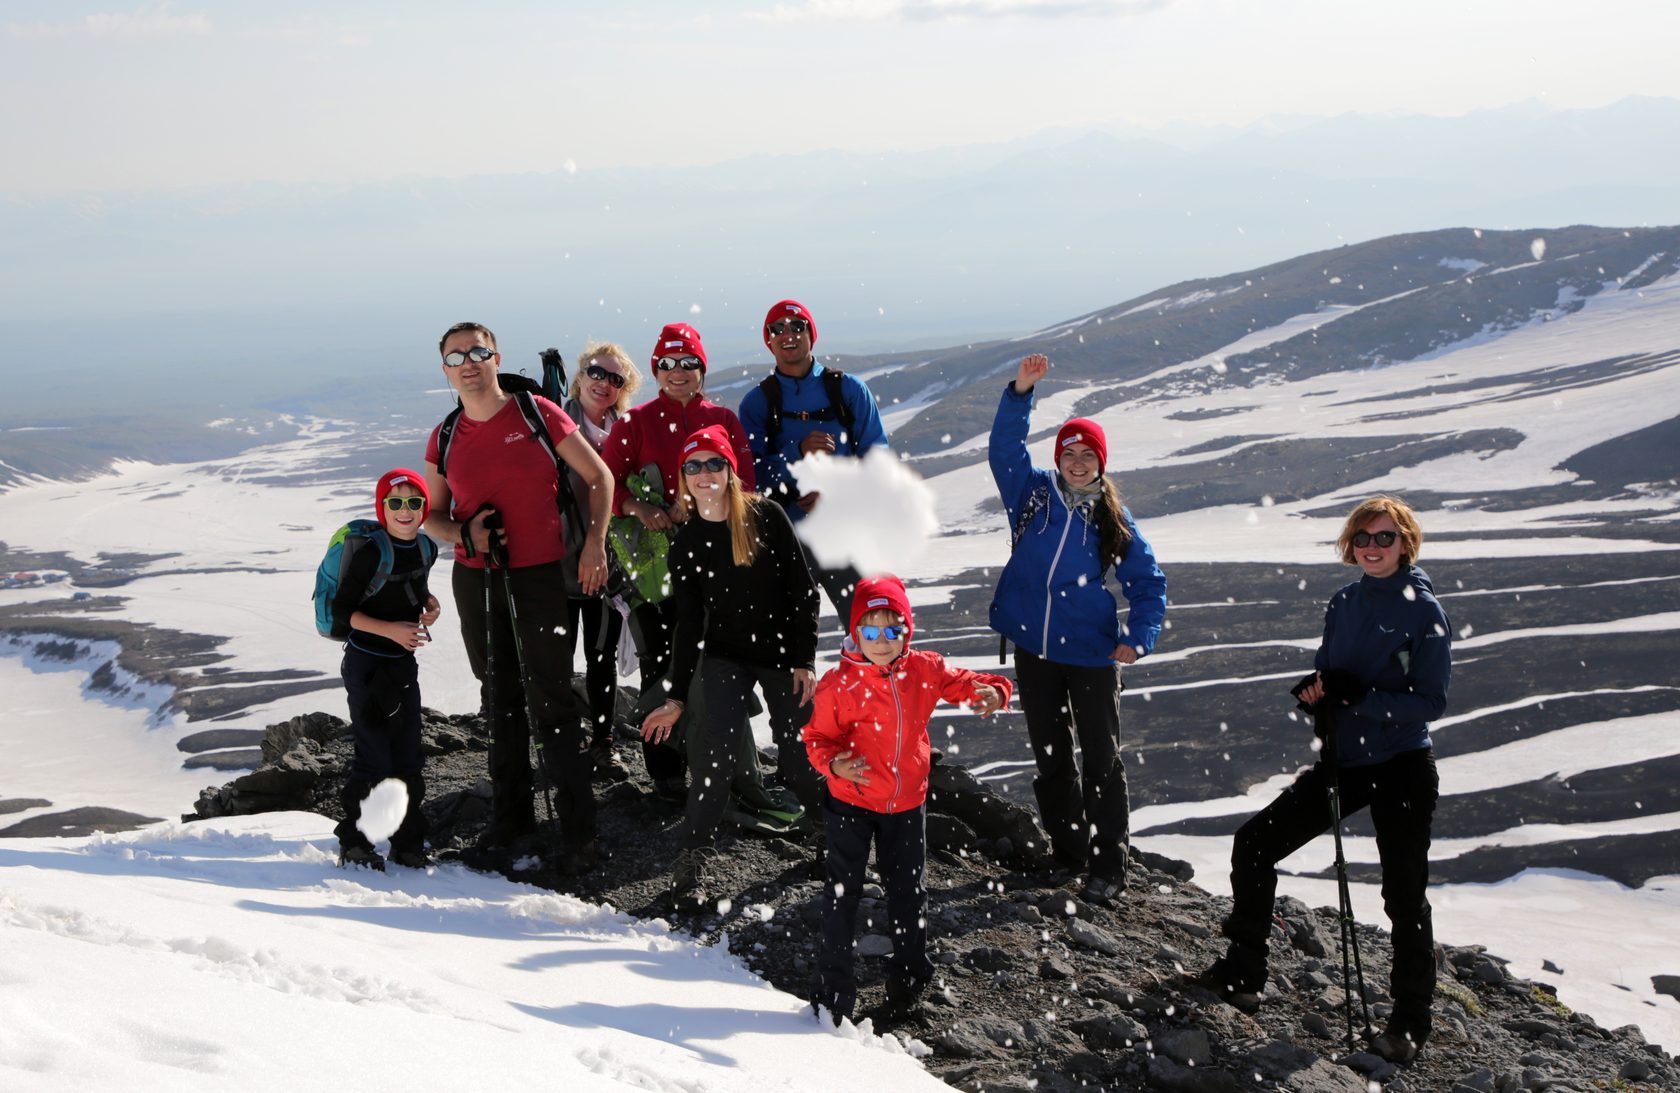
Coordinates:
<point>151,21</point>
<point>853,11</point>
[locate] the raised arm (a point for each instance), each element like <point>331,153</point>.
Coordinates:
<point>1006,451</point>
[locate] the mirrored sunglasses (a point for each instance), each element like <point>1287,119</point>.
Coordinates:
<point>687,364</point>
<point>596,372</point>
<point>397,504</point>
<point>710,466</point>
<point>782,326</point>
<point>478,354</point>
<point>882,633</point>
<point>1383,539</point>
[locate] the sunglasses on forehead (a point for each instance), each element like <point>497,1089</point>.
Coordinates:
<point>882,633</point>
<point>1383,539</point>
<point>397,504</point>
<point>708,466</point>
<point>478,354</point>
<point>782,326</point>
<point>687,364</point>
<point>596,372</point>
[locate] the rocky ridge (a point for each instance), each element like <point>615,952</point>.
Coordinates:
<point>1038,989</point>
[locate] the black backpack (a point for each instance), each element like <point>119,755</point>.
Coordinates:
<point>836,410</point>
<point>572,519</point>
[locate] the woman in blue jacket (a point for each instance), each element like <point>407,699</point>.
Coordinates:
<point>1069,529</point>
<point>1379,678</point>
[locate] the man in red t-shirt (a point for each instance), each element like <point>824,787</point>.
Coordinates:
<point>501,488</point>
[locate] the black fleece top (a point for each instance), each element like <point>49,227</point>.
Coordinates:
<point>764,614</point>
<point>400,599</point>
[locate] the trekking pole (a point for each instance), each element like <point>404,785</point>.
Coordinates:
<point>498,559</point>
<point>1344,911</point>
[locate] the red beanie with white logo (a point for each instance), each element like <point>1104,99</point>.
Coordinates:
<point>789,309</point>
<point>712,440</point>
<point>679,340</point>
<point>885,592</point>
<point>1082,430</point>
<point>402,476</point>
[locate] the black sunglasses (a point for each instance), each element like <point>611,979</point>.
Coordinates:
<point>596,372</point>
<point>477,354</point>
<point>397,504</point>
<point>780,327</point>
<point>711,466</point>
<point>687,364</point>
<point>1383,539</point>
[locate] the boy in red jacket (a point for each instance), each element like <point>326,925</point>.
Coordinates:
<point>869,737</point>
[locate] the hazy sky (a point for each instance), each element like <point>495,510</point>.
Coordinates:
<point>122,96</point>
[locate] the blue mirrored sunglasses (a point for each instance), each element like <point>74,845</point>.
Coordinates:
<point>882,633</point>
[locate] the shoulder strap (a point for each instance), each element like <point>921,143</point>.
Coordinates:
<point>833,383</point>
<point>446,433</point>
<point>772,389</point>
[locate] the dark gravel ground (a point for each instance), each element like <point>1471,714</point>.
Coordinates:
<point>1037,989</point>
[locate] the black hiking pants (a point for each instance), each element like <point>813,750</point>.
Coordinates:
<point>600,625</point>
<point>901,855</point>
<point>655,625</point>
<point>544,684</point>
<point>384,698</point>
<point>837,584</point>
<point>1086,812</point>
<point>716,730</point>
<point>1401,793</point>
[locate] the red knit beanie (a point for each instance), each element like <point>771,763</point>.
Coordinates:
<point>885,592</point>
<point>788,309</point>
<point>712,440</point>
<point>678,340</point>
<point>1082,430</point>
<point>402,476</point>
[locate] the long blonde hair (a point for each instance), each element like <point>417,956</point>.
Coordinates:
<point>740,513</point>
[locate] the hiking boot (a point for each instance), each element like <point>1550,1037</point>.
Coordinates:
<point>500,835</point>
<point>903,993</point>
<point>672,790</point>
<point>608,765</point>
<point>1103,891</point>
<point>411,857</point>
<point>690,874</point>
<point>1220,979</point>
<point>366,857</point>
<point>1395,1045</point>
<point>582,859</point>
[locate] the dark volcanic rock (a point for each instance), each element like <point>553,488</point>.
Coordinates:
<point>76,821</point>
<point>214,739</point>
<point>22,804</point>
<point>232,759</point>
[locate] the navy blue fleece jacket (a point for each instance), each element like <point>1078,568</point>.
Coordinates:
<point>1391,634</point>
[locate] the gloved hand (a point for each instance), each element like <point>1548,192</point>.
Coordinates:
<point>1344,687</point>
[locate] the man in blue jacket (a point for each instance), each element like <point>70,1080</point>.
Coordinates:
<point>799,409</point>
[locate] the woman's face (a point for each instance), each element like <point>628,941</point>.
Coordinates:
<point>1078,464</point>
<point>1379,561</point>
<point>707,486</point>
<point>679,383</point>
<point>599,395</point>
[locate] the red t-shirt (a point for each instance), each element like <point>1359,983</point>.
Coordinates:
<point>497,462</point>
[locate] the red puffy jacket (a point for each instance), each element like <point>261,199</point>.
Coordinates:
<point>882,713</point>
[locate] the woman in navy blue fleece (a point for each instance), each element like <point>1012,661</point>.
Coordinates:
<point>1380,677</point>
<point>1069,529</point>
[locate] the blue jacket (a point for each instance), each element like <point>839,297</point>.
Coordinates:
<point>1392,635</point>
<point>1051,600</point>
<point>804,394</point>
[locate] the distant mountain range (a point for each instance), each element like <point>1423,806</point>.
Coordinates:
<point>280,290</point>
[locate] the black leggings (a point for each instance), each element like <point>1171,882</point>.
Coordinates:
<point>716,728</point>
<point>1401,793</point>
<point>384,698</point>
<point>601,626</point>
<point>1086,813</point>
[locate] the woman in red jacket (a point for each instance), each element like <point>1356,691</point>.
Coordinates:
<point>869,737</point>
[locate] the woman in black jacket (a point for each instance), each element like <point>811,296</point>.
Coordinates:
<point>744,594</point>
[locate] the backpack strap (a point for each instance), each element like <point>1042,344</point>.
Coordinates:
<point>833,381</point>
<point>446,433</point>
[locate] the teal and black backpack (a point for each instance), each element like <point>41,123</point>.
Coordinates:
<point>347,542</point>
